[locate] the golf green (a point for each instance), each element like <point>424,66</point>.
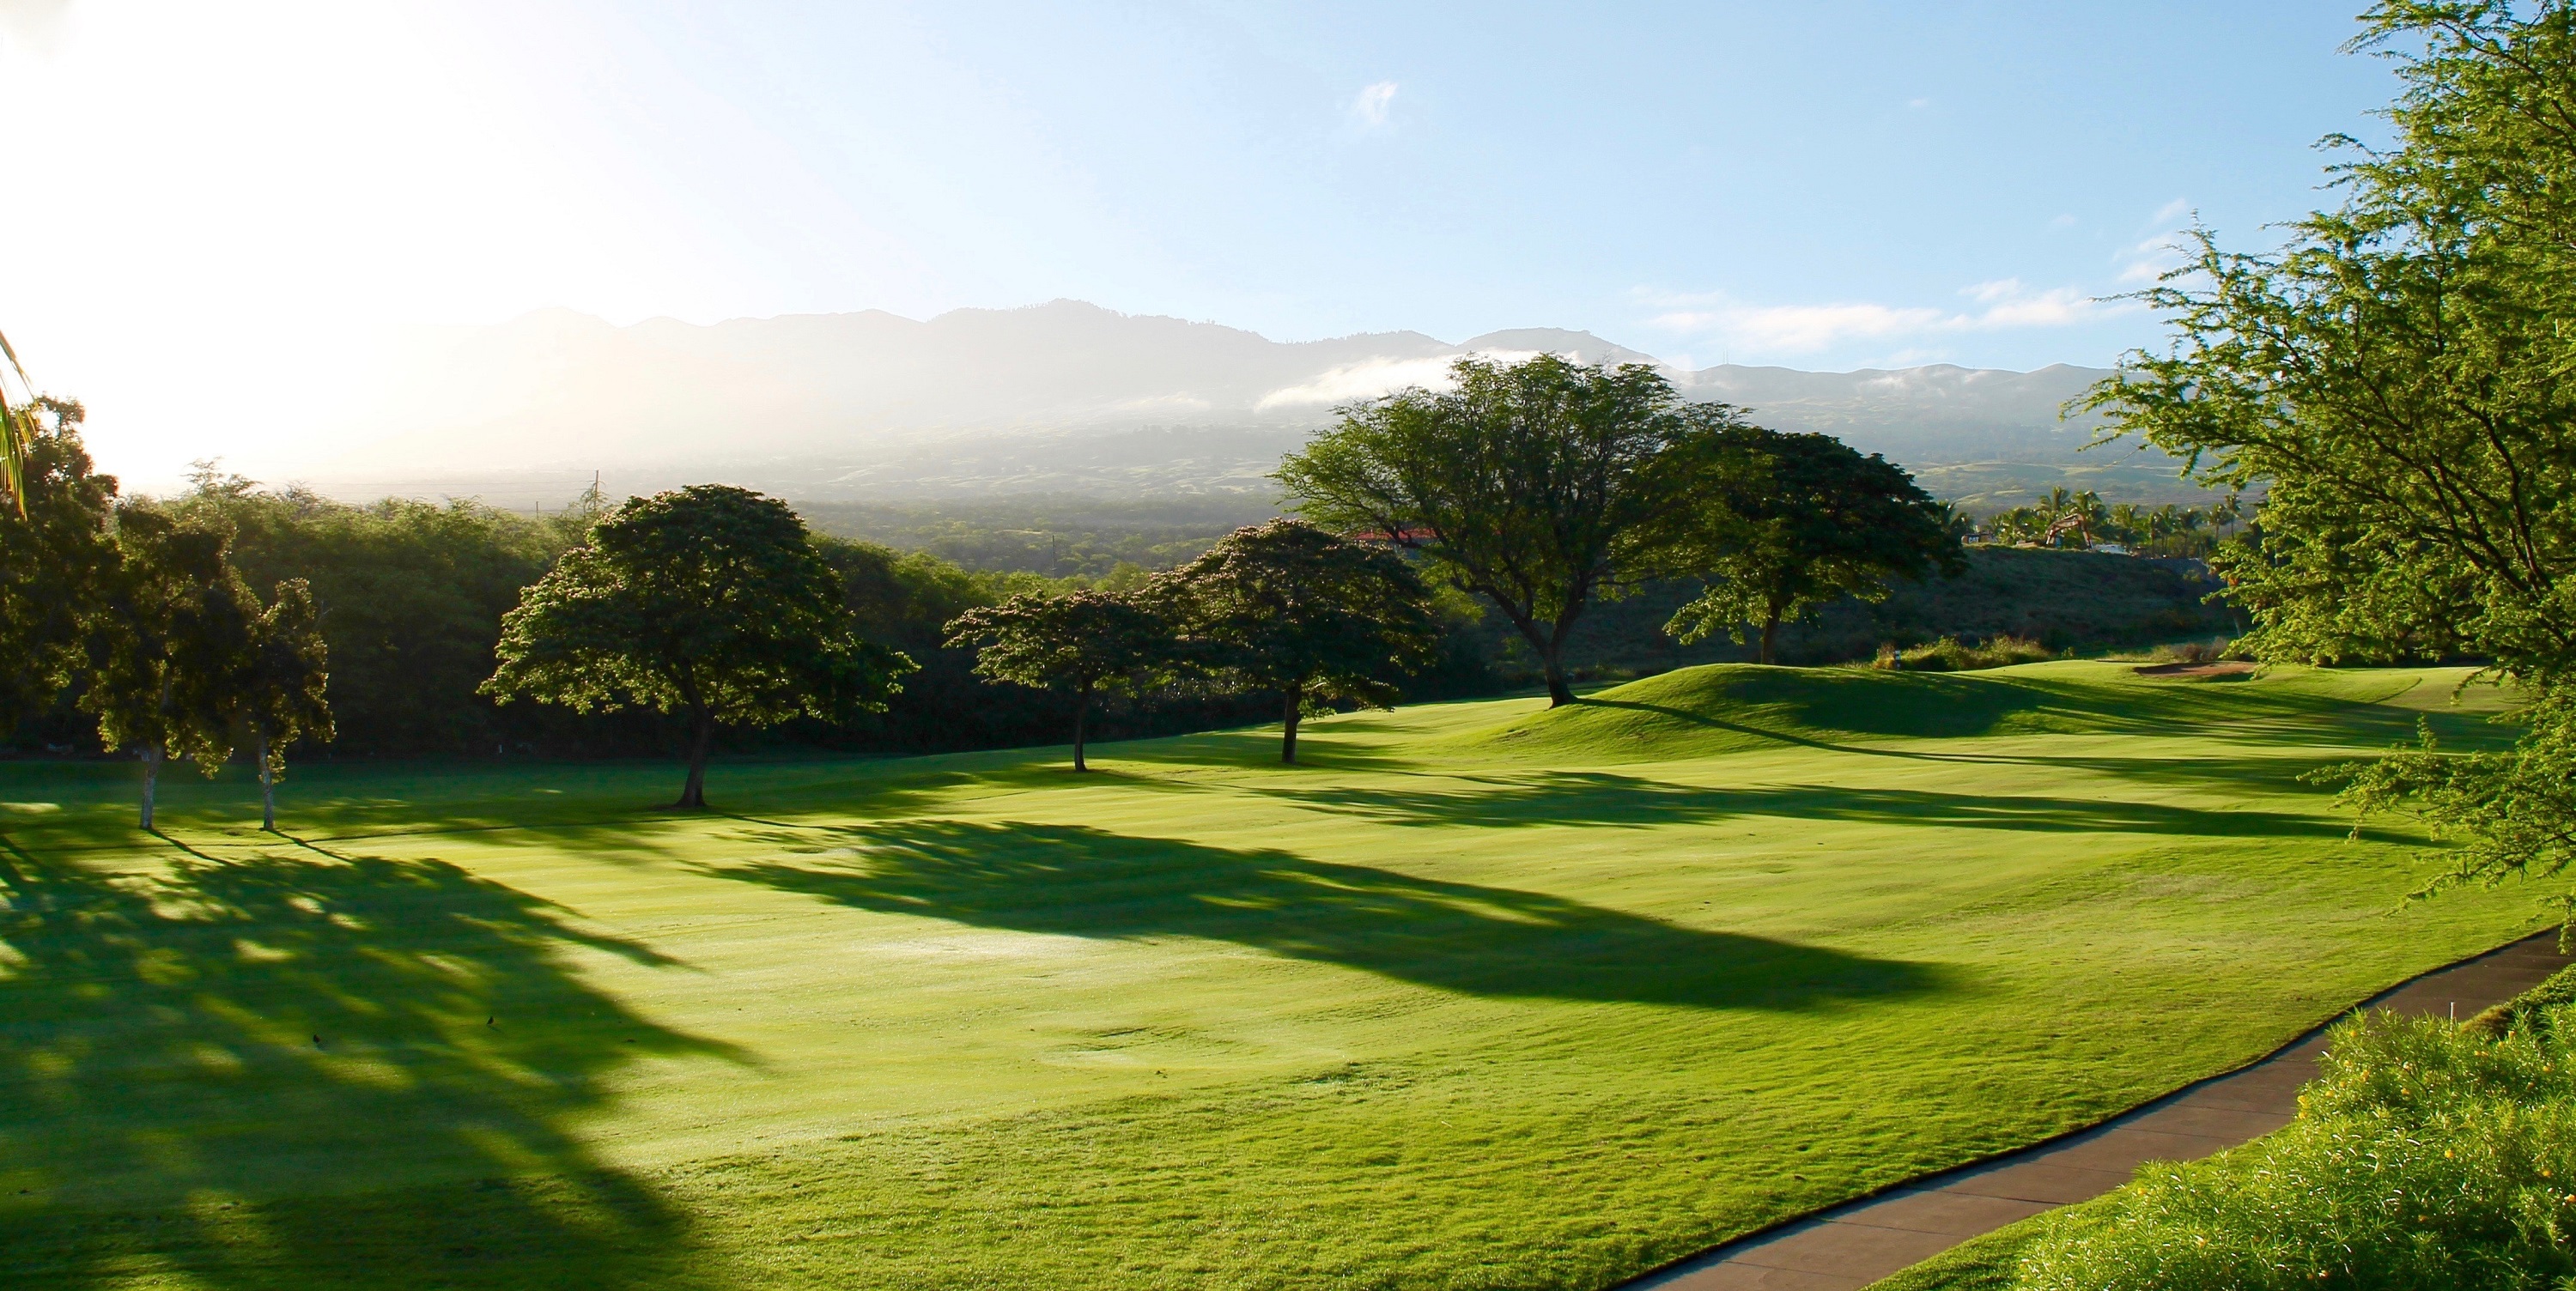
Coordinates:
<point>1479,996</point>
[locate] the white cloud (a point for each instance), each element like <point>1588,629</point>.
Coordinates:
<point>1369,108</point>
<point>1806,329</point>
<point>1369,378</point>
<point>2162,250</point>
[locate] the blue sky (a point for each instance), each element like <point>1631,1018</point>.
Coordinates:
<point>1819,186</point>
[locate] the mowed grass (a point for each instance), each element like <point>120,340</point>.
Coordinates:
<point>1480,996</point>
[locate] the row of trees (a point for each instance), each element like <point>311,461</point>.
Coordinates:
<point>141,613</point>
<point>1544,487</point>
<point>2078,520</point>
<point>1541,486</point>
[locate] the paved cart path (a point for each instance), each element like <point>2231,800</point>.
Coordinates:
<point>1857,1244</point>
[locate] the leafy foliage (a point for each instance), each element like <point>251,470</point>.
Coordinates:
<point>276,691</point>
<point>2424,1156</point>
<point>1288,608</point>
<point>2397,375</point>
<point>709,601</point>
<point>57,561</point>
<point>176,623</point>
<point>1084,642</point>
<point>1798,521</point>
<point>1539,486</point>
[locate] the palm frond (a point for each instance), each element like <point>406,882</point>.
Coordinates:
<point>17,431</point>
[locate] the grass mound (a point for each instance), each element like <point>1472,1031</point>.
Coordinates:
<point>1720,708</point>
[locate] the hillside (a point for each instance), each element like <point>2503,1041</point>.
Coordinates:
<point>1061,397</point>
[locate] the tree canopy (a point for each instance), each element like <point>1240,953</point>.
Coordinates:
<point>708,601</point>
<point>1083,642</point>
<point>1796,521</point>
<point>276,692</point>
<point>1540,485</point>
<point>58,560</point>
<point>1289,608</point>
<point>173,627</point>
<point>2395,379</point>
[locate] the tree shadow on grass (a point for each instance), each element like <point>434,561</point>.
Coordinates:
<point>1609,800</point>
<point>1083,882</point>
<point>313,1071</point>
<point>1873,704</point>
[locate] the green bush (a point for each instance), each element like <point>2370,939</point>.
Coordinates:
<point>1949,654</point>
<point>2426,1156</point>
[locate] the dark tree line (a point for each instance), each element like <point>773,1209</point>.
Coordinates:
<point>710,614</point>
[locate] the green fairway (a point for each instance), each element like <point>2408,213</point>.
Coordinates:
<point>1480,996</point>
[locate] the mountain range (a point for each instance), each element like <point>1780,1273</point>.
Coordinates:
<point>1070,397</point>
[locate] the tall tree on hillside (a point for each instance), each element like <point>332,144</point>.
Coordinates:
<point>709,601</point>
<point>177,621</point>
<point>277,690</point>
<point>1089,643</point>
<point>1803,520</point>
<point>1287,607</point>
<point>2398,376</point>
<point>58,560</point>
<point>1540,485</point>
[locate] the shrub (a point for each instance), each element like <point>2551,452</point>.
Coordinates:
<point>2425,1156</point>
<point>1950,654</point>
<point>2209,651</point>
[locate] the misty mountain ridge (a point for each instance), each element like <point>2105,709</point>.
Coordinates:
<point>1060,397</point>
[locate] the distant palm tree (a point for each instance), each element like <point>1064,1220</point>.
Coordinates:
<point>17,431</point>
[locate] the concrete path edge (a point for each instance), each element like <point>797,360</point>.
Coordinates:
<point>1768,1259</point>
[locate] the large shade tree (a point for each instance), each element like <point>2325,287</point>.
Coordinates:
<point>1085,643</point>
<point>709,602</point>
<point>176,622</point>
<point>1541,485</point>
<point>2396,381</point>
<point>1289,608</point>
<point>1798,521</point>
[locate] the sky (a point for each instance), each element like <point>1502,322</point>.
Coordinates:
<point>219,209</point>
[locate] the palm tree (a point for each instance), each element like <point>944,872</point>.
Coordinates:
<point>17,431</point>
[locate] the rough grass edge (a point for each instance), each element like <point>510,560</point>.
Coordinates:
<point>1989,1263</point>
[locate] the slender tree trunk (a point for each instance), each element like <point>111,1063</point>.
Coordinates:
<point>1081,714</point>
<point>1288,726</point>
<point>151,781</point>
<point>267,783</point>
<point>1770,635</point>
<point>702,728</point>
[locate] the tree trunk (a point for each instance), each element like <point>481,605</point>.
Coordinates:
<point>151,781</point>
<point>1770,635</point>
<point>1550,648</point>
<point>702,728</point>
<point>1288,727</point>
<point>1081,714</point>
<point>267,783</point>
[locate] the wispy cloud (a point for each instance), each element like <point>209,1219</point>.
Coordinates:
<point>1369,107</point>
<point>2162,250</point>
<point>1806,329</point>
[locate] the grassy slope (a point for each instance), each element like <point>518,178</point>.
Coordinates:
<point>1480,997</point>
